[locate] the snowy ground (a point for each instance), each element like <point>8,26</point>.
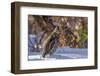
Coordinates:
<point>62,53</point>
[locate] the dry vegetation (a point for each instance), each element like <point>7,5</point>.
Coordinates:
<point>58,31</point>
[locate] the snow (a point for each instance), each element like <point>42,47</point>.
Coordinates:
<point>61,53</point>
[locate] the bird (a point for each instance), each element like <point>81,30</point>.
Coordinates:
<point>51,46</point>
